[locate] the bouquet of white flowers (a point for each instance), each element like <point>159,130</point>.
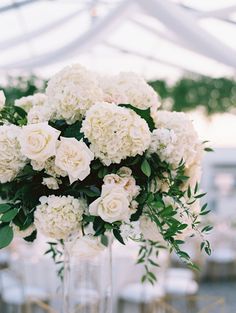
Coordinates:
<point>94,156</point>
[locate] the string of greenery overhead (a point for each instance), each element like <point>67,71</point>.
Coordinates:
<point>215,95</point>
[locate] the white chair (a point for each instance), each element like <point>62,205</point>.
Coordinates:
<point>16,297</point>
<point>183,273</point>
<point>139,296</point>
<point>180,282</point>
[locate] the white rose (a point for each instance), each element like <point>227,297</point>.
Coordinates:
<point>74,157</point>
<point>86,247</point>
<point>128,183</point>
<point>112,206</point>
<point>2,100</point>
<point>39,114</point>
<point>38,141</point>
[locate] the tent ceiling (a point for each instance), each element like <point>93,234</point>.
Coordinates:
<point>152,36</point>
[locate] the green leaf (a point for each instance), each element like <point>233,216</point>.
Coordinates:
<point>21,112</point>
<point>189,193</point>
<point>73,131</point>
<point>208,149</point>
<point>104,240</point>
<point>146,168</point>
<point>145,114</point>
<point>102,172</point>
<point>9,215</point>
<point>205,212</point>
<point>4,207</point>
<point>182,226</point>
<point>200,196</point>
<point>91,193</point>
<point>31,237</point>
<point>6,236</point>
<point>117,235</point>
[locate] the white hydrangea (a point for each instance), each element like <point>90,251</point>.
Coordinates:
<point>23,233</point>
<point>2,100</point>
<point>163,143</point>
<point>27,103</point>
<point>128,87</point>
<point>72,91</point>
<point>51,182</point>
<point>115,133</point>
<point>39,114</point>
<point>11,158</point>
<point>59,217</point>
<point>180,135</point>
<point>50,167</point>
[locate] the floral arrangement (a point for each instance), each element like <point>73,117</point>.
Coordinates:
<point>94,156</point>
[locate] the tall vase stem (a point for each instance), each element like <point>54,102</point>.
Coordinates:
<point>110,293</point>
<point>66,280</point>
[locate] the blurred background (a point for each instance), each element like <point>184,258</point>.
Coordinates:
<point>186,49</point>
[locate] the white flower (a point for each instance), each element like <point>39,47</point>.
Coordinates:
<point>149,229</point>
<point>74,157</point>
<point>128,183</point>
<point>179,141</point>
<point>38,141</point>
<point>59,217</point>
<point>27,103</point>
<point>72,91</point>
<point>194,172</point>
<point>51,182</point>
<point>115,133</point>
<point>157,184</point>
<point>87,247</point>
<point>11,158</point>
<point>39,114</point>
<point>2,100</point>
<point>23,233</point>
<point>163,143</point>
<point>130,230</point>
<point>112,206</point>
<point>124,171</point>
<point>49,167</point>
<point>128,87</point>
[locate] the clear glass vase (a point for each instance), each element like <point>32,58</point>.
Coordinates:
<point>87,285</point>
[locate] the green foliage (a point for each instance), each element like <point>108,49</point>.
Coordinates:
<point>17,87</point>
<point>215,95</point>
<point>56,252</point>
<point>145,114</point>
<point>6,235</point>
<point>14,115</point>
<point>145,167</point>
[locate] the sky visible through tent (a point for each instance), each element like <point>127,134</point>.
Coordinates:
<point>38,35</point>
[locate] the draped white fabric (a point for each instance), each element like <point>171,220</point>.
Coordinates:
<point>171,33</point>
